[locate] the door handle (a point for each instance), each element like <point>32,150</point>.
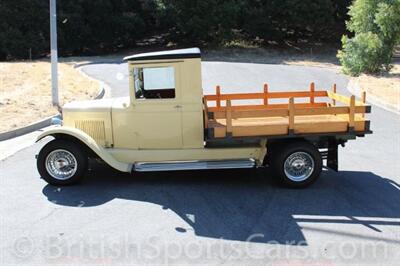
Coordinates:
<point>177,106</point>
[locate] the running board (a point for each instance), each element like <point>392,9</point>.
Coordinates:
<point>193,165</point>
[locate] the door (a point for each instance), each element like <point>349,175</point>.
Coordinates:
<point>157,114</point>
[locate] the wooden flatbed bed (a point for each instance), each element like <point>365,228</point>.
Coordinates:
<point>322,112</point>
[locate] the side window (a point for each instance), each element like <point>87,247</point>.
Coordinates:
<point>154,82</point>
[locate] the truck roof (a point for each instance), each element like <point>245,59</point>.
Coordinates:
<point>172,54</point>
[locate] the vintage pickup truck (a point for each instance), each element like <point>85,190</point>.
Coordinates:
<point>168,124</point>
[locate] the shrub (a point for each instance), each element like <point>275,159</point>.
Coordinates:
<point>361,53</point>
<point>376,28</point>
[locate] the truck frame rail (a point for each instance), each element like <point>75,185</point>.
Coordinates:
<point>334,114</point>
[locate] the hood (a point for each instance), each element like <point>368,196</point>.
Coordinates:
<point>93,117</point>
<point>91,105</point>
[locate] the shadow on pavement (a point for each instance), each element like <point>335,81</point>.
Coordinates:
<point>236,204</point>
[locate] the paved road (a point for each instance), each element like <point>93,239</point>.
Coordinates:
<point>214,217</point>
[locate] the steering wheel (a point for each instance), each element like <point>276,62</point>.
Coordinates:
<point>139,93</point>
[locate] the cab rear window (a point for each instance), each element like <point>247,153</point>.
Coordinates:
<point>154,82</point>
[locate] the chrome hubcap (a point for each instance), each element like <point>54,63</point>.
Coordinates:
<point>61,164</point>
<point>299,166</point>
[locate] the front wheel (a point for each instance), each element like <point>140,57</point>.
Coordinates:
<point>62,162</point>
<point>297,164</point>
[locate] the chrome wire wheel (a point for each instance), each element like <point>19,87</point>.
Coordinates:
<point>299,166</point>
<point>61,164</point>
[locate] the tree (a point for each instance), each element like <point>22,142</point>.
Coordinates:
<point>201,22</point>
<point>376,28</point>
<point>87,27</point>
<point>24,28</point>
<point>84,27</point>
<point>289,19</point>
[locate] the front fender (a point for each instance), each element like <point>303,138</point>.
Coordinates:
<point>58,131</point>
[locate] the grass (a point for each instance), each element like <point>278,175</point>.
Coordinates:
<point>384,87</point>
<point>25,91</point>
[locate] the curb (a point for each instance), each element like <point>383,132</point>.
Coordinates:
<point>102,92</point>
<point>354,88</point>
<point>103,85</point>
<point>27,129</point>
<point>42,123</point>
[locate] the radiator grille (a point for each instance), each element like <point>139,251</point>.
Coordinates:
<point>95,129</point>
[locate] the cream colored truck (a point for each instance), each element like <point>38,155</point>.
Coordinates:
<point>168,124</point>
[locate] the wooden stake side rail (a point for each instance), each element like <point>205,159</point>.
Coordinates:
<point>264,95</point>
<point>270,119</point>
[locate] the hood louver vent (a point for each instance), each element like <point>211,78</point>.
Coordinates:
<point>93,128</point>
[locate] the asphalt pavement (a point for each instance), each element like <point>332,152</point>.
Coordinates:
<point>211,217</point>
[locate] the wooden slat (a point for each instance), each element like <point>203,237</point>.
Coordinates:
<point>360,125</point>
<point>260,113</point>
<point>297,94</point>
<point>291,114</point>
<point>300,105</point>
<point>228,117</point>
<point>281,129</point>
<point>236,96</point>
<point>258,121</point>
<point>322,111</point>
<point>321,127</point>
<point>220,132</point>
<point>263,107</point>
<point>280,125</point>
<point>333,110</point>
<point>342,98</point>
<point>271,95</point>
<point>269,130</point>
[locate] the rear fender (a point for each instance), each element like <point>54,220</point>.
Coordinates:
<point>59,132</point>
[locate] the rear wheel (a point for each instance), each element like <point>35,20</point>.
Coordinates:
<point>297,164</point>
<point>62,162</point>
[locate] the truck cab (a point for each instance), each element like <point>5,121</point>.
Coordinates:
<point>165,109</point>
<point>167,124</point>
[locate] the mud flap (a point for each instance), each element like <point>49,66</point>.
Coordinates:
<point>332,158</point>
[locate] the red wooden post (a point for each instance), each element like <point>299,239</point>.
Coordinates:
<point>352,111</point>
<point>265,94</point>
<point>291,115</point>
<point>363,97</point>
<point>218,89</point>
<point>312,90</point>
<point>364,100</point>
<point>334,91</point>
<point>228,117</point>
<point>205,113</point>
